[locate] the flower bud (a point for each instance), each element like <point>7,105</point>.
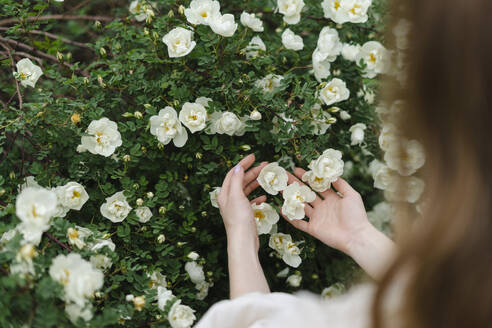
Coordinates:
<point>27,252</point>
<point>255,115</point>
<point>146,31</point>
<point>210,274</point>
<point>139,302</point>
<point>161,238</point>
<point>315,276</point>
<point>75,118</point>
<point>147,106</point>
<point>345,115</point>
<point>150,194</point>
<point>181,207</point>
<point>162,210</point>
<point>138,115</point>
<point>129,297</point>
<point>86,80</point>
<point>2,192</point>
<point>334,109</point>
<point>193,256</point>
<point>102,51</point>
<point>331,120</point>
<point>139,201</point>
<point>245,147</point>
<point>170,13</point>
<point>198,155</point>
<point>68,56</point>
<point>337,72</point>
<point>143,149</point>
<point>136,186</point>
<point>126,114</point>
<point>204,213</point>
<point>160,146</point>
<point>155,35</point>
<point>180,243</point>
<point>193,229</point>
<point>59,56</point>
<point>12,175</point>
<point>181,9</point>
<point>101,82</point>
<point>127,158</point>
<point>97,24</point>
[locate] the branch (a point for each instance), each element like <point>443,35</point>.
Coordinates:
<point>57,17</point>
<point>50,236</point>
<point>40,54</point>
<point>12,64</point>
<point>53,36</point>
<point>25,54</point>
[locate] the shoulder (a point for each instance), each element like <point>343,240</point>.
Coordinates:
<point>302,309</point>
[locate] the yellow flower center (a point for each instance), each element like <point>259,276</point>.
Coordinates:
<point>355,9</point>
<point>259,215</point>
<point>300,198</point>
<point>99,137</point>
<point>193,117</point>
<point>23,76</point>
<point>336,5</point>
<point>33,211</point>
<point>204,14</point>
<point>64,280</point>
<point>73,234</point>
<point>318,180</point>
<point>75,194</point>
<point>372,58</point>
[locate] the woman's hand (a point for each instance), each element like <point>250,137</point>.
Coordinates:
<point>235,208</point>
<point>341,222</point>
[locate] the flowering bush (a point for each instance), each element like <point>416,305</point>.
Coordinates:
<point>118,129</point>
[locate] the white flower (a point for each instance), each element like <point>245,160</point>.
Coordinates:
<point>269,83</point>
<point>334,91</point>
<point>203,101</point>
<point>100,243</point>
<point>166,127</point>
<point>374,167</point>
<point>320,122</point>
<point>291,254</point>
<point>255,115</point>
<point>328,166</point>
<point>77,235</point>
<point>224,25</point>
<point>35,207</point>
<point>193,116</point>
<point>161,238</point>
<point>376,58</point>
<point>265,216</point>
<point>329,45</point>
<point>406,157</point>
<point>143,213</point>
<point>294,280</point>
<point>129,297</point>
<point>321,65</point>
<point>157,279</point>
<point>344,115</point>
<point>381,215</point>
<point>202,288</point>
<point>291,9</point>
<point>226,123</point>
<point>334,290</point>
<point>343,11</point>
<point>79,278</point>
<point>273,178</point>
<point>71,196</point>
<point>357,131</point>
<point>179,42</point>
<point>27,72</point>
<point>386,179</point>
<point>292,41</point>
<point>202,11</point>
<point>75,311</point>
<point>28,182</point>
<point>195,271</point>
<point>278,241</point>
<point>141,9</point>
<point>213,196</point>
<point>181,316</point>
<point>101,261</point>
<point>103,137</point>
<point>163,295</point>
<point>193,256</point>
<point>400,31</point>
<point>251,21</point>
<point>388,137</point>
<point>139,302</point>
<point>410,191</point>
<point>350,52</point>
<point>116,208</point>
<point>318,184</point>
<point>253,47</point>
<point>295,197</point>
<point>283,273</point>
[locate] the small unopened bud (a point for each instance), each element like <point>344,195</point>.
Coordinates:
<point>181,9</point>
<point>181,207</point>
<point>337,72</point>
<point>339,26</point>
<point>150,194</point>
<point>198,155</point>
<point>100,81</point>
<point>331,120</point>
<point>170,13</point>
<point>143,149</point>
<point>138,115</point>
<point>136,186</point>
<point>126,114</point>
<point>139,201</point>
<point>12,175</point>
<point>97,24</point>
<point>148,106</point>
<point>193,256</point>
<point>176,103</point>
<point>129,297</point>
<point>146,31</point>
<point>334,109</point>
<point>255,115</point>
<point>204,213</point>
<point>2,192</point>
<point>127,158</point>
<point>210,274</point>
<point>161,238</point>
<point>155,35</point>
<point>75,118</point>
<point>102,51</point>
<point>245,147</point>
<point>162,210</point>
<point>68,56</point>
<point>86,80</point>
<point>180,243</point>
<point>315,276</point>
<point>59,56</point>
<point>193,229</point>
<point>160,146</point>
<point>345,115</point>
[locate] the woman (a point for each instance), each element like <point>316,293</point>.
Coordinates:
<point>440,272</point>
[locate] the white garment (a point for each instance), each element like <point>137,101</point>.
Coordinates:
<point>303,310</point>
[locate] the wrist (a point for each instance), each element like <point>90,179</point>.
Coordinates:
<point>360,239</point>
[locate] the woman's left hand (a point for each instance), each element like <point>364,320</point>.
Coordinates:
<point>234,205</point>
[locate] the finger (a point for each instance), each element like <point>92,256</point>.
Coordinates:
<point>308,210</point>
<point>245,163</point>
<point>293,178</point>
<point>251,187</point>
<point>343,187</point>
<point>236,185</point>
<point>252,174</point>
<point>259,200</point>
<point>299,224</point>
<point>299,172</point>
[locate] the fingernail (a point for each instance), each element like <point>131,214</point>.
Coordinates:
<point>237,169</point>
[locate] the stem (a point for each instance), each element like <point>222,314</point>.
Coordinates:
<point>50,236</point>
<point>53,36</point>
<point>57,17</point>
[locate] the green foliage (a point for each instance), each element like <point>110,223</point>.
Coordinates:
<point>136,74</point>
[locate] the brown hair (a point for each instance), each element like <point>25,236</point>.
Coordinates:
<point>448,108</point>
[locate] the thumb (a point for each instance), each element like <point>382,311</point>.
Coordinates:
<point>236,188</point>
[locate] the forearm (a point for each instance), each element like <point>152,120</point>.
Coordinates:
<point>245,271</point>
<point>373,251</point>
